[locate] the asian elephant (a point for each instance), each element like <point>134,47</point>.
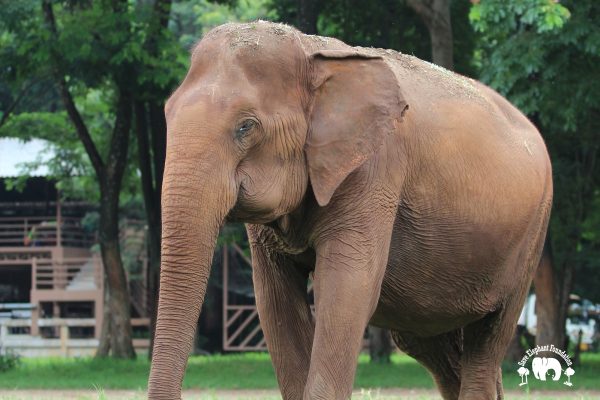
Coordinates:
<point>542,365</point>
<point>418,198</point>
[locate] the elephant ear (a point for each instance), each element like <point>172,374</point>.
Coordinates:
<point>357,102</point>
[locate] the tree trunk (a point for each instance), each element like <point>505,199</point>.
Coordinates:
<point>154,228</point>
<point>151,195</point>
<point>380,345</point>
<point>119,304</point>
<point>308,13</point>
<point>116,333</point>
<point>103,349</point>
<point>158,131</point>
<point>119,322</point>
<point>436,16</point>
<point>116,329</point>
<point>551,302</point>
<point>152,154</point>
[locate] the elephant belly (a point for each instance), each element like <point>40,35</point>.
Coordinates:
<point>427,306</point>
<point>442,277</point>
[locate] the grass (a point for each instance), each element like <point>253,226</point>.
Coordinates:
<point>248,371</point>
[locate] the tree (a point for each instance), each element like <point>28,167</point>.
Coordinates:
<point>97,50</point>
<point>116,329</point>
<point>394,24</point>
<point>544,57</point>
<point>308,13</point>
<point>151,135</point>
<point>303,14</point>
<point>436,16</point>
<point>380,345</point>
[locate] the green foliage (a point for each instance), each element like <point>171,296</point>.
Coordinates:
<point>209,15</point>
<point>36,125</point>
<point>65,158</point>
<point>191,19</point>
<point>391,24</point>
<point>8,361</point>
<point>532,61</point>
<point>545,57</point>
<point>517,15</point>
<point>233,233</point>
<point>94,46</point>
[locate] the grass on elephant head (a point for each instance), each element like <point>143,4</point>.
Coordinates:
<point>248,371</point>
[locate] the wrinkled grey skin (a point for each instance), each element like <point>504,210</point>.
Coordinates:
<point>419,198</point>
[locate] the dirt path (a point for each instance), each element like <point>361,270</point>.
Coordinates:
<point>375,394</point>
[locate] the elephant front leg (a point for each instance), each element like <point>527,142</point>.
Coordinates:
<point>347,285</point>
<point>286,320</point>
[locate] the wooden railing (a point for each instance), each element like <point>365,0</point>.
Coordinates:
<point>43,232</point>
<point>13,338</point>
<point>62,274</point>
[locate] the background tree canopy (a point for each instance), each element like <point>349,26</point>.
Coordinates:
<point>119,60</point>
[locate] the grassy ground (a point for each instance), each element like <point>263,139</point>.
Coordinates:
<point>250,395</point>
<point>249,371</point>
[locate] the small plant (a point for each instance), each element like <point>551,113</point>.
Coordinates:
<point>8,360</point>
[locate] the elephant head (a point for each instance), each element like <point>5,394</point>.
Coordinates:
<point>265,118</point>
<point>541,366</point>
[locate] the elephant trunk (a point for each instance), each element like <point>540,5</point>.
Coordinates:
<point>195,201</point>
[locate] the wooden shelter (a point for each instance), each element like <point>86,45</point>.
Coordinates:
<point>51,282</point>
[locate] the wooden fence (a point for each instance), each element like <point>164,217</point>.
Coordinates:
<point>14,337</point>
<point>44,232</point>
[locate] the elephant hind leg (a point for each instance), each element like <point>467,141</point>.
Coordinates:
<point>485,344</point>
<point>440,355</point>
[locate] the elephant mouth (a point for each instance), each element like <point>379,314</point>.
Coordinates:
<point>239,214</point>
<point>245,211</point>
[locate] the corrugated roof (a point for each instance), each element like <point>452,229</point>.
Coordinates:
<point>14,152</point>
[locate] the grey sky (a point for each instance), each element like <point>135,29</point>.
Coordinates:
<point>13,152</point>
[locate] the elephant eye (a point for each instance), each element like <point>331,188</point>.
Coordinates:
<point>245,127</point>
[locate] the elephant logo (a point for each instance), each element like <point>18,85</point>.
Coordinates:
<point>541,366</point>
<point>546,368</point>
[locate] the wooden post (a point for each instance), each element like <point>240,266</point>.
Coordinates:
<point>59,271</point>
<point>33,273</point>
<point>3,333</point>
<point>35,313</point>
<point>58,220</point>
<point>64,339</point>
<point>225,292</point>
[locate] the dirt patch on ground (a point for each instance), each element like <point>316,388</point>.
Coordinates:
<point>373,394</point>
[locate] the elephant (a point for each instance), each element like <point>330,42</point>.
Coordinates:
<point>541,366</point>
<point>413,198</point>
